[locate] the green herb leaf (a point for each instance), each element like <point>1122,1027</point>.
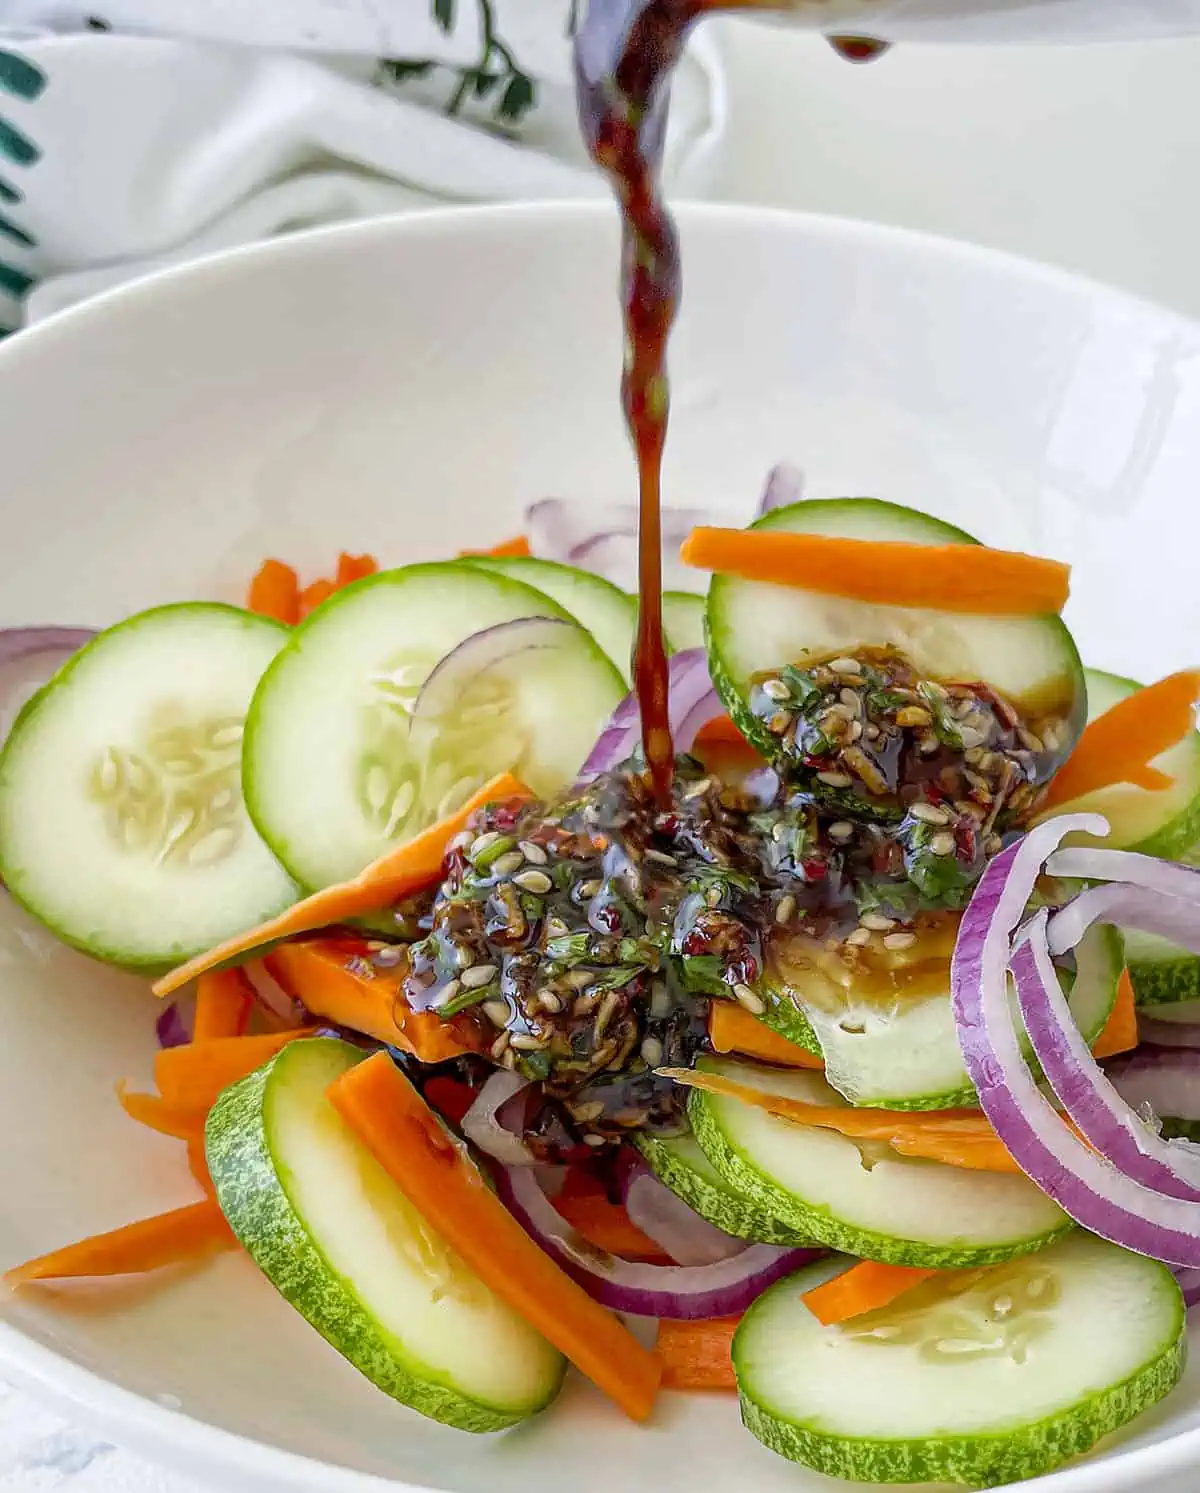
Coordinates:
<point>570,948</point>
<point>443,14</point>
<point>519,98</point>
<point>702,974</point>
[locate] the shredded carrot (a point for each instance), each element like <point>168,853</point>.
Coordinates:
<point>193,1077</point>
<point>955,1137</point>
<point>313,595</point>
<point>275,592</point>
<point>697,1355</point>
<point>224,1000</point>
<point>1120,1032</point>
<point>865,1287</point>
<point>331,978</point>
<point>889,572</point>
<point>731,1028</point>
<point>517,548</point>
<point>586,1206</point>
<point>198,1165</point>
<point>398,872</point>
<point>443,1184</point>
<point>1120,745</point>
<point>156,1114</point>
<point>165,1239</point>
<point>352,568</point>
<point>720,729</point>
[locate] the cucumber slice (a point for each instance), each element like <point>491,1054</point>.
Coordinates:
<point>338,1239</point>
<point>984,1379</point>
<point>686,1170</point>
<point>862,1197</point>
<point>753,627</point>
<point>332,774</point>
<point>683,619</point>
<point>607,612</point>
<point>122,825</point>
<point>902,1052</point>
<point>1163,822</point>
<point>1163,974</point>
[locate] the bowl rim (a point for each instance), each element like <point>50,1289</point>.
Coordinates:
<point>151,1427</point>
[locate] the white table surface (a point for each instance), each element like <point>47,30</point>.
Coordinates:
<point>1084,157</point>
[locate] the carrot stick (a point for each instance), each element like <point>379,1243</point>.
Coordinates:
<point>948,577</point>
<point>149,1244</point>
<point>697,1355</point>
<point>955,1137</point>
<point>354,568</point>
<point>517,547</point>
<point>404,869</point>
<point>587,1208</point>
<point>224,1000</point>
<point>157,1114</point>
<point>193,1077</point>
<point>720,729</point>
<point>313,595</point>
<point>1120,745</point>
<point>198,1165</point>
<point>275,592</point>
<point>731,1028</point>
<point>330,978</point>
<point>1120,1032</point>
<point>865,1287</point>
<point>436,1175</point>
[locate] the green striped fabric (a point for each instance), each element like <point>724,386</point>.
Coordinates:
<point>20,79</point>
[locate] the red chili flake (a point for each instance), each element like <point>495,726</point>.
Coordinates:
<point>964,837</point>
<point>813,870</point>
<point>695,942</point>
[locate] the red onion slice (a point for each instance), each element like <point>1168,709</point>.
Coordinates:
<point>1086,1185</point>
<point>682,1292</point>
<point>29,656</point>
<point>1092,1101</point>
<point>667,1219</point>
<point>692,703</point>
<point>1166,1080</point>
<point>1161,913</point>
<point>171,1027</point>
<point>1085,863</point>
<point>481,1126</point>
<point>1189,1283</point>
<point>1156,1029</point>
<point>479,654</point>
<point>785,485</point>
<point>602,538</point>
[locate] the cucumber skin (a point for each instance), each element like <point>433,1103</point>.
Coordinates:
<point>820,1227</point>
<point>977,1461</point>
<point>1165,982</point>
<point>785,1017</point>
<point>727,1210</point>
<point>257,1208</point>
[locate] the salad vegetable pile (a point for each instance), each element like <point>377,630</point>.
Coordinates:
<point>868,1065</point>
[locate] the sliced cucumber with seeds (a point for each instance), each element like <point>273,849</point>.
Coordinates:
<point>338,1239</point>
<point>753,627</point>
<point>898,1051</point>
<point>1163,822</point>
<point>1162,973</point>
<point>683,619</point>
<point>334,775</point>
<point>607,612</point>
<point>863,1197</point>
<point>982,1379</point>
<point>122,825</point>
<point>687,1171</point>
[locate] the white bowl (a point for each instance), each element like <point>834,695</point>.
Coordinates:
<point>405,387</point>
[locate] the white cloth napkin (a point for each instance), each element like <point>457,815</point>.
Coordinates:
<point>152,149</point>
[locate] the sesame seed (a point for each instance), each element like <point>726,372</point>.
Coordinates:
<point>698,790</point>
<point>930,813</point>
<point>579,979</point>
<point>446,993</point>
<point>972,736</point>
<point>993,845</point>
<point>786,910</point>
<point>534,854</point>
<point>500,1046</point>
<point>556,928</point>
<point>652,1052</point>
<point>528,1042</point>
<point>856,730</point>
<point>661,858</point>
<point>590,888</point>
<point>660,1000</point>
<point>780,832</point>
<point>775,689</point>
<point>608,1008</point>
<point>714,894</point>
<point>841,830</point>
<point>942,843</point>
<point>483,842</point>
<point>506,864</point>
<point>497,1012</point>
<point>747,998</point>
<point>1029,740</point>
<point>913,715</point>
<point>585,1113</point>
<point>388,957</point>
<point>478,976</point>
<point>533,881</point>
<point>463,956</point>
<point>549,1001</point>
<point>779,723</point>
<point>846,666</point>
<point>872,732</point>
<point>593,1140</point>
<point>859,938</point>
<point>899,941</point>
<point>850,700</point>
<point>876,922</point>
<point>834,779</point>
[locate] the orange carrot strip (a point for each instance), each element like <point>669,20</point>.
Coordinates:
<point>438,1178</point>
<point>607,1225</point>
<point>198,1165</point>
<point>1120,1032</point>
<point>949,577</point>
<point>1120,745</point>
<point>313,595</point>
<point>955,1137</point>
<point>731,1028</point>
<point>224,1000</point>
<point>697,1355</point>
<point>330,978</point>
<point>865,1287</point>
<point>720,729</point>
<point>354,568</point>
<point>193,1077</point>
<point>396,873</point>
<point>157,1114</point>
<point>149,1244</point>
<point>517,547</point>
<point>275,592</point>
